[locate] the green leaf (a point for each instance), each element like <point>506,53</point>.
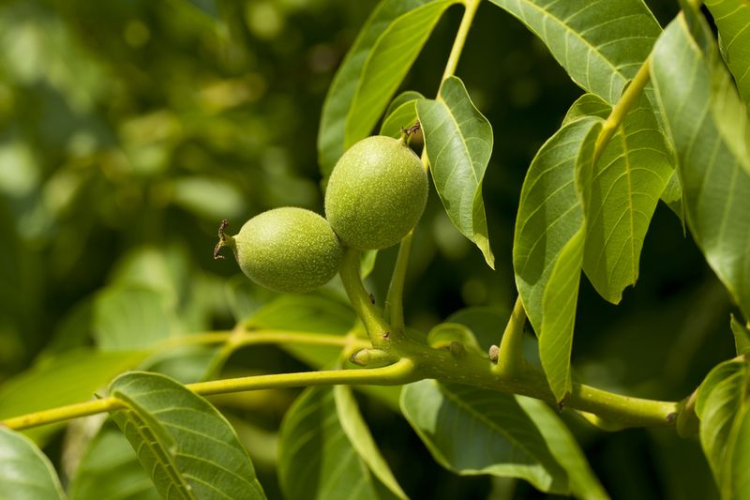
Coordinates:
<point>472,431</point>
<point>306,313</point>
<point>130,317</point>
<point>623,191</point>
<point>401,114</point>
<point>600,43</point>
<point>732,18</point>
<point>375,66</point>
<point>549,241</point>
<point>725,427</point>
<point>716,187</point>
<point>741,336</point>
<point>25,472</point>
<point>316,458</point>
<point>583,483</point>
<point>109,468</point>
<point>360,438</point>
<point>75,377</point>
<point>188,447</point>
<point>442,335</point>
<point>458,140</point>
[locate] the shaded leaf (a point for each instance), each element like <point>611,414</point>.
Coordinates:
<point>741,336</point>
<point>600,43</point>
<point>733,18</point>
<point>622,193</point>
<point>360,438</point>
<point>472,431</point>
<point>716,188</point>
<point>188,447</point>
<point>130,317</point>
<point>25,472</point>
<point>75,375</point>
<point>306,313</point>
<point>725,427</point>
<point>316,458</point>
<point>458,141</point>
<point>441,336</point>
<point>110,469</point>
<point>583,483</point>
<point>401,114</point>
<point>376,64</point>
<point>548,243</point>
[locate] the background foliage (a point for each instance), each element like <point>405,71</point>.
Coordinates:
<point>128,129</point>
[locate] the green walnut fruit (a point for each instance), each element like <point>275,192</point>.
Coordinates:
<point>286,249</point>
<point>376,193</point>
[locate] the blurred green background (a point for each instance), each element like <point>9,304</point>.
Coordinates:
<point>130,128</point>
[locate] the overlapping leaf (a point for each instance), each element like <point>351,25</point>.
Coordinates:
<point>458,140</point>
<point>25,472</point>
<point>75,375</point>
<point>600,43</point>
<point>583,483</point>
<point>741,336</point>
<point>317,460</point>
<point>186,445</point>
<point>472,431</point>
<point>716,187</point>
<point>401,114</point>
<point>733,20</point>
<point>723,407</point>
<point>549,241</point>
<point>623,191</point>
<point>372,71</point>
<point>110,469</point>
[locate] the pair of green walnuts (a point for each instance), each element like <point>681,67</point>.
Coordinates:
<point>376,195</point>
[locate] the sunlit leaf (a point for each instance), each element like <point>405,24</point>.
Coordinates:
<point>623,191</point>
<point>186,445</point>
<point>373,69</point>
<point>316,458</point>
<point>723,407</point>
<point>458,140</point>
<point>733,18</point>
<point>716,187</point>
<point>549,241</point>
<point>110,469</point>
<point>75,376</point>
<point>25,472</point>
<point>600,43</point>
<point>472,431</point>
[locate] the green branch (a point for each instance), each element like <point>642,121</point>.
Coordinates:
<point>377,329</point>
<point>394,302</point>
<point>510,355</point>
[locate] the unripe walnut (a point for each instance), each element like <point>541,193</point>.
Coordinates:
<point>287,250</point>
<point>376,193</point>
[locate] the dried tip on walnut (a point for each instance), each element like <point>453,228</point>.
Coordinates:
<point>224,240</point>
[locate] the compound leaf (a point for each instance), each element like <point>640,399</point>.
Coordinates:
<point>316,458</point>
<point>600,43</point>
<point>549,242</point>
<point>623,191</point>
<point>732,17</point>
<point>373,69</point>
<point>458,140</point>
<point>25,472</point>
<point>188,447</point>
<point>473,431</point>
<point>715,185</point>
